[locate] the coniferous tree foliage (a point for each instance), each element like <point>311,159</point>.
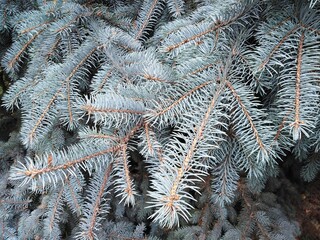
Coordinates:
<point>158,119</point>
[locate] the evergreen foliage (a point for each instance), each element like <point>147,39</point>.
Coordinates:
<point>158,118</point>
